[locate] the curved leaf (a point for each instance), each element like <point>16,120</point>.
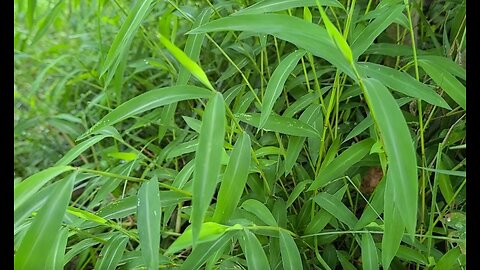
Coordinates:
<point>150,100</point>
<point>290,254</point>
<point>280,124</point>
<point>277,5</point>
<point>39,241</point>
<point>254,253</point>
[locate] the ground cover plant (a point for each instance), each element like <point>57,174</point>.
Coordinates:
<point>326,134</point>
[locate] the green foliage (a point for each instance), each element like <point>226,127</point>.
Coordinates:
<point>239,134</point>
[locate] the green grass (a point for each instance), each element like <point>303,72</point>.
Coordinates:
<point>239,134</point>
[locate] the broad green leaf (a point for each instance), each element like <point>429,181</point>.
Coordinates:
<point>398,145</point>
<point>78,248</point>
<point>260,210</point>
<point>411,255</point>
<point>297,190</point>
<point>188,63</point>
<point>446,64</point>
<point>79,149</point>
<point>280,124</point>
<point>112,252</point>
<point>27,188</point>
<point>336,208</point>
<point>42,235</point>
<point>290,254</point>
<point>254,253</point>
<point>342,163</point>
<point>322,218</point>
<point>120,208</point>
<point>234,179</point>
<point>149,213</point>
<point>336,36</point>
<point>394,225</point>
<point>124,37</point>
<point>57,253</point>
<point>313,38</point>
<point>207,160</point>
<point>277,5</point>
<point>209,231</point>
<point>374,28</point>
<point>449,260</point>
<point>369,253</point>
<point>276,83</point>
<point>403,83</point>
<point>446,81</point>
<point>32,204</point>
<point>361,127</point>
<point>150,100</point>
<point>205,250</point>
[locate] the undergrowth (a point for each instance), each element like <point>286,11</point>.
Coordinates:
<point>239,134</point>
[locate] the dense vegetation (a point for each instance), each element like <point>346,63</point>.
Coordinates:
<point>236,134</point>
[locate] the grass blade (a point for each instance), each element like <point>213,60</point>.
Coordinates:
<point>278,5</point>
<point>388,15</point>
<point>112,252</point>
<point>149,213</point>
<point>313,38</point>
<point>446,81</point>
<point>394,225</point>
<point>124,38</point>
<point>336,208</point>
<point>369,253</point>
<point>398,145</point>
<point>188,63</point>
<point>280,124</point>
<point>58,251</point>
<point>207,160</point>
<point>209,231</point>
<point>150,100</point>
<point>403,83</point>
<point>254,253</point>
<point>341,163</point>
<point>35,249</point>
<point>47,22</point>
<point>260,210</point>
<point>449,260</point>
<point>277,82</point>
<point>336,36</point>
<point>27,188</point>
<point>290,254</point>
<point>234,179</point>
<point>79,149</point>
<point>204,251</point>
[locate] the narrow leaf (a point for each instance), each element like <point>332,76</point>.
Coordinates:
<point>277,82</point>
<point>42,235</point>
<point>280,124</point>
<point>149,216</point>
<point>254,253</point>
<point>398,145</point>
<point>112,252</point>
<point>277,5</point>
<point>260,210</point>
<point>27,188</point>
<point>290,254</point>
<point>342,163</point>
<point>336,208</point>
<point>369,253</point>
<point>207,160</point>
<point>150,100</point>
<point>234,179</point>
